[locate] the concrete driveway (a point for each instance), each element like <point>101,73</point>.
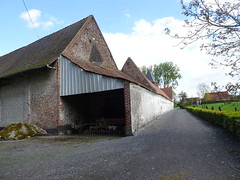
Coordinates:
<point>177,146</point>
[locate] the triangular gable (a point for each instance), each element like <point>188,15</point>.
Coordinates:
<point>89,45</point>
<point>134,72</point>
<point>82,43</point>
<point>168,92</point>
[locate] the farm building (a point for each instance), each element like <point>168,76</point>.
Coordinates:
<point>216,96</point>
<point>69,82</point>
<point>193,101</point>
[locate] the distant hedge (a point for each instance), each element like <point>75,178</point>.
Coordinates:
<point>229,120</point>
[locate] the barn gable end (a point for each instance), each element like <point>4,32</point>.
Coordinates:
<point>69,81</point>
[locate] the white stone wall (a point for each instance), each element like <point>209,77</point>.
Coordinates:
<point>146,106</point>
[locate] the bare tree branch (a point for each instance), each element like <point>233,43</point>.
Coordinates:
<point>217,23</point>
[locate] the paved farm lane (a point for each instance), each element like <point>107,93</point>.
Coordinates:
<point>177,146</point>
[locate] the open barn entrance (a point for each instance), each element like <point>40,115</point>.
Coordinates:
<point>99,113</point>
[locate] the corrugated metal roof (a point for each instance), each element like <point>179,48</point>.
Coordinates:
<point>89,67</point>
<point>74,80</point>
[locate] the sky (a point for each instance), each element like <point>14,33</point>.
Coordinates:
<point>131,28</point>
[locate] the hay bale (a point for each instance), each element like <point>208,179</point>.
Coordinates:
<point>21,131</point>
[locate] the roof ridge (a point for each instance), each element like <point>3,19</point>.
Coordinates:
<point>87,19</point>
<point>39,53</point>
<point>129,67</point>
<point>49,35</point>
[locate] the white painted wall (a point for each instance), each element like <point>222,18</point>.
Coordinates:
<point>146,106</point>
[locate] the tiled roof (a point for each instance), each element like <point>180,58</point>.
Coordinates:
<point>134,72</point>
<point>39,53</point>
<point>168,92</point>
<point>215,96</point>
<point>48,49</point>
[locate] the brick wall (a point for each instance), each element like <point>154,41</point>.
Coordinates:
<point>30,98</point>
<point>89,45</point>
<point>127,102</point>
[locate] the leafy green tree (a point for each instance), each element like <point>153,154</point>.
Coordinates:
<point>166,74</point>
<point>182,97</point>
<point>145,69</point>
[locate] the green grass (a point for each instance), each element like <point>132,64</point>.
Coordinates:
<point>228,106</point>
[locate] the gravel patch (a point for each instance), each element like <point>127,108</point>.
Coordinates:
<point>176,146</point>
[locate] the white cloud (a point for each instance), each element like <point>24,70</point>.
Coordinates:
<point>36,17</point>
<point>148,44</point>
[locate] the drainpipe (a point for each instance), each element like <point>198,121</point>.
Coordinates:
<point>51,67</point>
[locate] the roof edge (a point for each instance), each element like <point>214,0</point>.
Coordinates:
<point>26,69</point>
<point>79,31</point>
<point>76,62</point>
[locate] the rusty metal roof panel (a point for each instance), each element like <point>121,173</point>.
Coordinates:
<point>74,80</point>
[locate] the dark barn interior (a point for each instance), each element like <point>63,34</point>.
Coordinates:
<point>99,113</point>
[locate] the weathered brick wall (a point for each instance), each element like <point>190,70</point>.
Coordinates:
<point>72,112</point>
<point>89,45</point>
<point>30,98</point>
<point>14,104</point>
<point>44,98</point>
<point>127,103</point>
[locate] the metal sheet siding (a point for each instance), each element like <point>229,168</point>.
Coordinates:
<point>74,80</point>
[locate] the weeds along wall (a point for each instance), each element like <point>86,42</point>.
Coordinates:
<point>146,106</point>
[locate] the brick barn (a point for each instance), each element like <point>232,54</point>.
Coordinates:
<point>69,82</point>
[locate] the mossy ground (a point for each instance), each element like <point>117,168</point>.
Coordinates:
<point>20,131</point>
<point>77,139</point>
<point>179,176</point>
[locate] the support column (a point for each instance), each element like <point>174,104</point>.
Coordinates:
<point>60,103</point>
<point>127,104</point>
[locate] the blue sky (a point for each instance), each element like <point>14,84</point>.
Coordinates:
<point>112,16</point>
<point>132,28</point>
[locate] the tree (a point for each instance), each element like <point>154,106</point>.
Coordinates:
<point>232,89</point>
<point>145,69</point>
<point>166,74</point>
<point>216,87</point>
<point>202,88</point>
<point>218,23</point>
<point>182,97</point>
